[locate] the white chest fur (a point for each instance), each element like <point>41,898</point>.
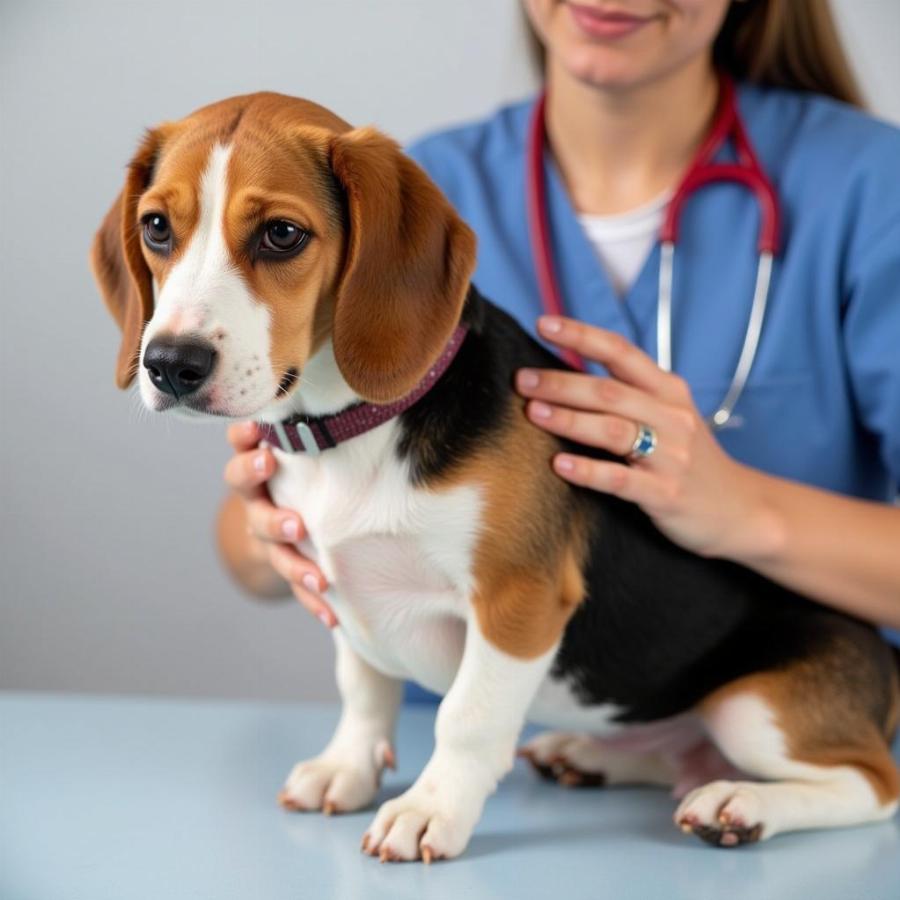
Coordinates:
<point>398,559</point>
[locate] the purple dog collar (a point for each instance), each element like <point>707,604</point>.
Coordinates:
<point>313,434</point>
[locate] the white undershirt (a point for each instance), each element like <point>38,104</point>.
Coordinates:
<point>624,241</point>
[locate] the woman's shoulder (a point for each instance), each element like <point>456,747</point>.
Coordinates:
<point>814,140</point>
<point>813,115</point>
<point>486,144</point>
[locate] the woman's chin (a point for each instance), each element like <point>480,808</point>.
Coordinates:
<point>607,68</point>
<point>615,71</point>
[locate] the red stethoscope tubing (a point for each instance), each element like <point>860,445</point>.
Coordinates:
<point>747,171</point>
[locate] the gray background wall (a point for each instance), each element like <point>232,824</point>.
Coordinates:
<point>108,573</point>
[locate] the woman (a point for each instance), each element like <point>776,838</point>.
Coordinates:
<point>800,486</point>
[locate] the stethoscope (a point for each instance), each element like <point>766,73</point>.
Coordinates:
<point>702,171</point>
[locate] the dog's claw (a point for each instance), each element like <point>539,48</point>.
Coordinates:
<point>384,755</point>
<point>427,855</point>
<point>329,808</point>
<point>285,801</point>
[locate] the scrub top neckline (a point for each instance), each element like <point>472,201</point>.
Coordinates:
<point>631,223</point>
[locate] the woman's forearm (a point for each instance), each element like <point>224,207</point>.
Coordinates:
<point>243,555</point>
<point>838,550</point>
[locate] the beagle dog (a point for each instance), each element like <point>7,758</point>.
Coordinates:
<point>265,260</point>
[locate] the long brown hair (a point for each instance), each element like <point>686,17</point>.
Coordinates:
<point>787,43</point>
<point>777,43</point>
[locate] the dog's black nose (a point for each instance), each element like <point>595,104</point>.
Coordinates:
<point>178,367</point>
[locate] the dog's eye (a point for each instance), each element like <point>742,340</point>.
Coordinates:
<point>157,232</point>
<point>282,237</point>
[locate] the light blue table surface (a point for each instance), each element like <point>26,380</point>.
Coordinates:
<point>145,799</point>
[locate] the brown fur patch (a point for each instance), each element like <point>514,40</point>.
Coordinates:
<point>530,553</point>
<point>408,263</point>
<point>827,709</point>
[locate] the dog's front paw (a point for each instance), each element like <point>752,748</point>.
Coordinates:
<point>421,824</point>
<point>336,781</point>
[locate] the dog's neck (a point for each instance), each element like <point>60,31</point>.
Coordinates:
<point>311,429</point>
<point>322,390</point>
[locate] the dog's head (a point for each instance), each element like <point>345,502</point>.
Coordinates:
<point>262,233</point>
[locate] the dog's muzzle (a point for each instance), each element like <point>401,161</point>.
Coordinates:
<point>178,366</point>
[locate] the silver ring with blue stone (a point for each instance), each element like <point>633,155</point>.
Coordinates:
<point>644,444</point>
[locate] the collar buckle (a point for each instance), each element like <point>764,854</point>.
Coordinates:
<point>307,438</point>
<point>304,433</point>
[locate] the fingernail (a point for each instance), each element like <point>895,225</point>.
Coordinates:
<point>528,378</point>
<point>549,325</point>
<point>540,410</point>
<point>290,529</point>
<point>259,462</point>
<point>311,583</point>
<point>324,618</point>
<point>564,463</point>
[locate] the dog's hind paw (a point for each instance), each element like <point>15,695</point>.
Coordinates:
<point>722,813</point>
<point>572,760</point>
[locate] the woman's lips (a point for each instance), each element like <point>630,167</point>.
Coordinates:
<point>606,24</point>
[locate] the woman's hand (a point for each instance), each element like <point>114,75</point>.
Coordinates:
<point>273,533</point>
<point>692,490</point>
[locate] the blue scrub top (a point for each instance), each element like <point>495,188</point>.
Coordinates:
<point>822,404</point>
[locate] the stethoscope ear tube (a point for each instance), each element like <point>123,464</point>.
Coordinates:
<point>702,171</point>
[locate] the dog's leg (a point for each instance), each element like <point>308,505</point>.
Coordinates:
<point>811,734</point>
<point>581,760</point>
<point>684,759</point>
<point>345,776</point>
<point>477,726</point>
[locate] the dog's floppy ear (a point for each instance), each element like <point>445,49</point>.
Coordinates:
<point>406,272</point>
<point>118,264</point>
